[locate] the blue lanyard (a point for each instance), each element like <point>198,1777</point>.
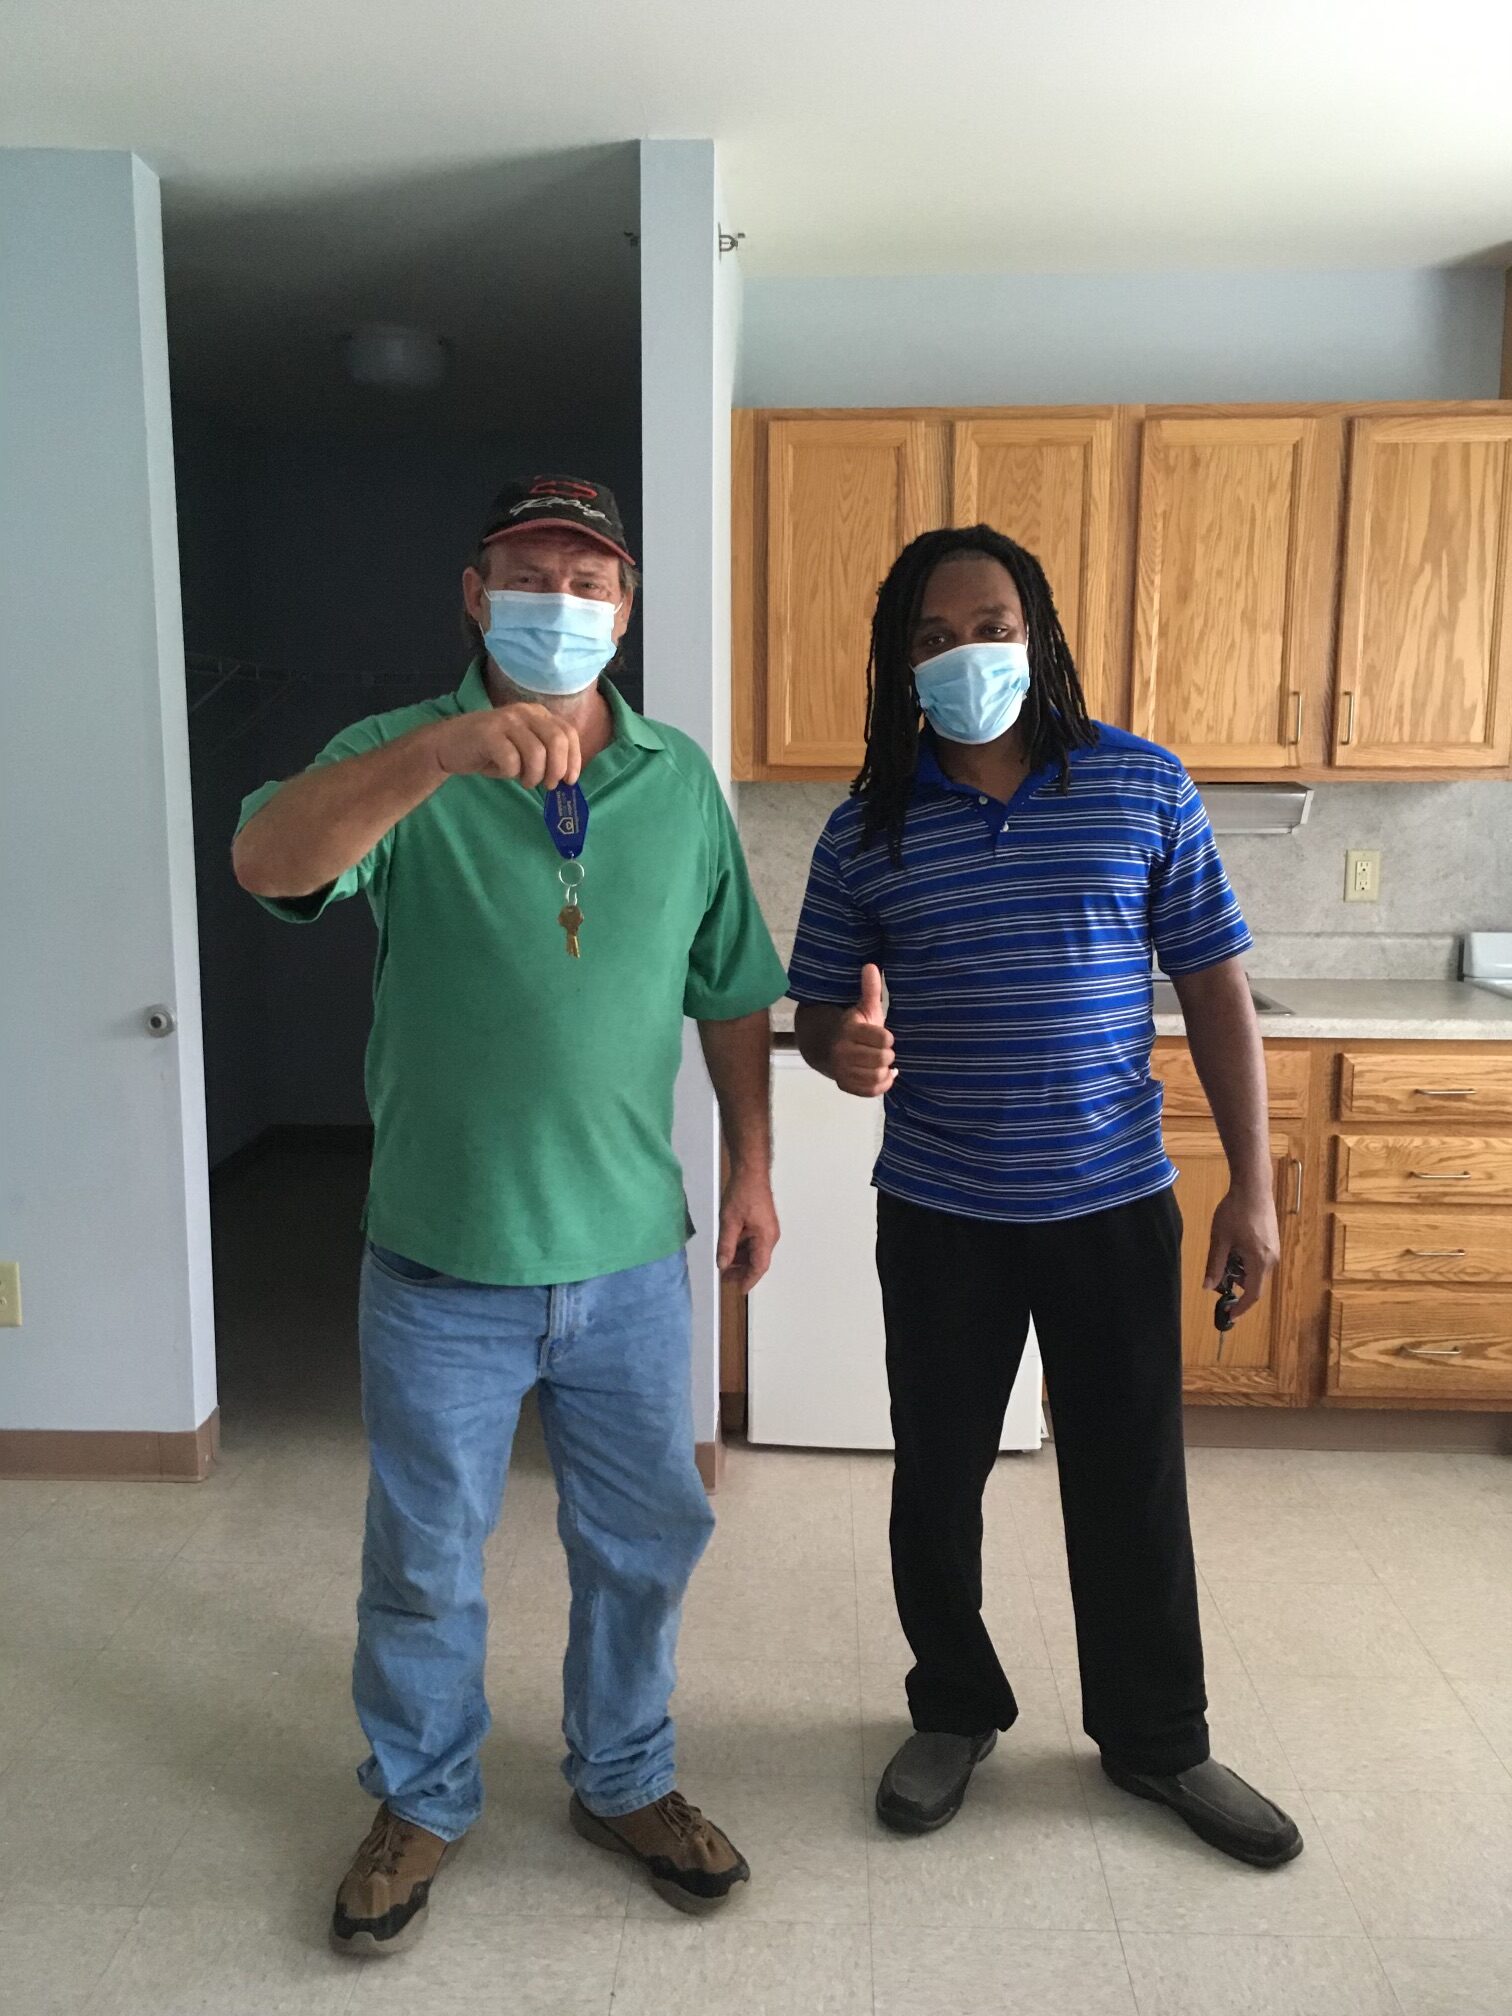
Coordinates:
<point>567,820</point>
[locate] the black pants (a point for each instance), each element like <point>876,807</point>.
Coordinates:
<point>1105,1294</point>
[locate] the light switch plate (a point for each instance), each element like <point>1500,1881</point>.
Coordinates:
<point>1362,875</point>
<point>10,1294</point>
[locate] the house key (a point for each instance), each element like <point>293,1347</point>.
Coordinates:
<point>570,917</point>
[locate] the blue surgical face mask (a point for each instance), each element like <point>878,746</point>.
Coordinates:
<point>974,693</point>
<point>549,644</point>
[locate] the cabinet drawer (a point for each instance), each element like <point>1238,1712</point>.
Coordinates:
<point>1285,1073</point>
<point>1420,1345</point>
<point>1407,1246</point>
<point>1380,1085</point>
<point>1441,1170</point>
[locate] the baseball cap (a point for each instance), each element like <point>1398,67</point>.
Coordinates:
<point>564,502</point>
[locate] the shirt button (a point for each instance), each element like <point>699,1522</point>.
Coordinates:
<point>981,801</point>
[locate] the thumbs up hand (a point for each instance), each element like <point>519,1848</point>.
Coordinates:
<point>863,1059</point>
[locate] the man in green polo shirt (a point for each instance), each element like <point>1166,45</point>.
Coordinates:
<point>557,883</point>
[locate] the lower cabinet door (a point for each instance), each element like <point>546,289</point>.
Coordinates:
<point>1256,1362</point>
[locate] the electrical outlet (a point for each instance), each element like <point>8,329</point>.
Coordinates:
<point>1362,875</point>
<point>10,1294</point>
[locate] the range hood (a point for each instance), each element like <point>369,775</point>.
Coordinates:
<point>1256,808</point>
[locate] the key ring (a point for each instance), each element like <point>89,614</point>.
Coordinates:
<point>571,882</point>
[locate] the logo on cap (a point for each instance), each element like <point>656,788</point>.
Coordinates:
<point>576,496</point>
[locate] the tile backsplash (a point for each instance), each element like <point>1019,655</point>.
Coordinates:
<point>1446,868</point>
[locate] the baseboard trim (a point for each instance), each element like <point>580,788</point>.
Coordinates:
<point>111,1455</point>
<point>710,1458</point>
<point>1346,1428</point>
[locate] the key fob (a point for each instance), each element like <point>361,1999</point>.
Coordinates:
<point>1229,1289</point>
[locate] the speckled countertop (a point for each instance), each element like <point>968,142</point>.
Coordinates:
<point>1409,1010</point>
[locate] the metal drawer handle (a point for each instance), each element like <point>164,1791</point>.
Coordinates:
<point>1427,1351</point>
<point>1296,1202</point>
<point>1348,732</point>
<point>1430,1176</point>
<point>1296,732</point>
<point>1444,1091</point>
<point>1433,1252</point>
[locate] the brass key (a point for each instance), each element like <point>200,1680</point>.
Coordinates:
<point>571,921</point>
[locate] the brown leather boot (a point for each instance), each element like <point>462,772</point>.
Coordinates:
<point>689,1860</point>
<point>384,1897</point>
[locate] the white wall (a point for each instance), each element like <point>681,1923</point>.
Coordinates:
<point>102,1146</point>
<point>1044,339</point>
<point>690,321</point>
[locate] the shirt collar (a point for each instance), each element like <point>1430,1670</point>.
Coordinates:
<point>473,697</point>
<point>930,774</point>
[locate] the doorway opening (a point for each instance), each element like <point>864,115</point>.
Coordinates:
<point>324,522</point>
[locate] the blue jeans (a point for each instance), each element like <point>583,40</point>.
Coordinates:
<point>445,1366</point>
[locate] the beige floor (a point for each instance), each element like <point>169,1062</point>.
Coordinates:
<point>176,1746</point>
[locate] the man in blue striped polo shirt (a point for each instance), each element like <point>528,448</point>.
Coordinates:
<point>1011,867</point>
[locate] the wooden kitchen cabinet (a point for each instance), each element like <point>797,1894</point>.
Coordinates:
<point>1221,596</point>
<point>822,506</point>
<point>1288,1075</point>
<point>1424,1169</point>
<point>1384,1085</point>
<point>843,496</point>
<point>1048,480</point>
<point>1420,1247</point>
<point>1474,1247</point>
<point>1257,1361</point>
<point>1234,576</point>
<point>1414,1345</point>
<point>1425,630</point>
<point>1395,1292</point>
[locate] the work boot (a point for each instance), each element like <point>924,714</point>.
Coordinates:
<point>925,1784</point>
<point>1219,1807</point>
<point>384,1897</point>
<point>691,1863</point>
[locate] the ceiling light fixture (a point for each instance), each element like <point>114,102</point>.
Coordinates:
<point>396,359</point>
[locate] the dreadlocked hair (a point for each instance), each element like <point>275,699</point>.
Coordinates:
<point>1054,717</point>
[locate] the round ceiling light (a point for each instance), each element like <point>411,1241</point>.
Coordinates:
<point>397,359</point>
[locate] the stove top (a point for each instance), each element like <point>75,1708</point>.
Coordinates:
<point>1486,960</point>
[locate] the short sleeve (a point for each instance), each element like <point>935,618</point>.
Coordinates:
<point>1195,920</point>
<point>360,877</point>
<point>836,937</point>
<point>733,968</point>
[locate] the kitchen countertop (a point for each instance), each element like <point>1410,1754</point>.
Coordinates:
<point>1410,1010</point>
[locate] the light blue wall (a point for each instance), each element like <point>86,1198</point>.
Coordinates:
<point>103,1196</point>
<point>1047,339</point>
<point>690,323</point>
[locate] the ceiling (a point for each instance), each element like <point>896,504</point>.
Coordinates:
<point>468,167</point>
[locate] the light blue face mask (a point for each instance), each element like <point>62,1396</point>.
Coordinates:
<point>973,693</point>
<point>549,644</point>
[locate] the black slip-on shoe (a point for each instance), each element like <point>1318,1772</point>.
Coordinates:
<point>1221,1809</point>
<point>925,1784</point>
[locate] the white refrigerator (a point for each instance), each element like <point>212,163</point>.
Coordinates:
<point>817,1375</point>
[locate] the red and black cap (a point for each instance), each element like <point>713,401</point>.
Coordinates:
<point>564,503</point>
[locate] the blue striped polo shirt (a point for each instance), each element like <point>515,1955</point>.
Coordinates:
<point>1016,942</point>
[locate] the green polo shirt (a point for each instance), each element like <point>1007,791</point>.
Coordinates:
<point>521,1099</point>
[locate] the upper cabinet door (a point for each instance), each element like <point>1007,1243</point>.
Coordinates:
<point>1046,479</point>
<point>843,498</point>
<point>1425,644</point>
<point>1238,520</point>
